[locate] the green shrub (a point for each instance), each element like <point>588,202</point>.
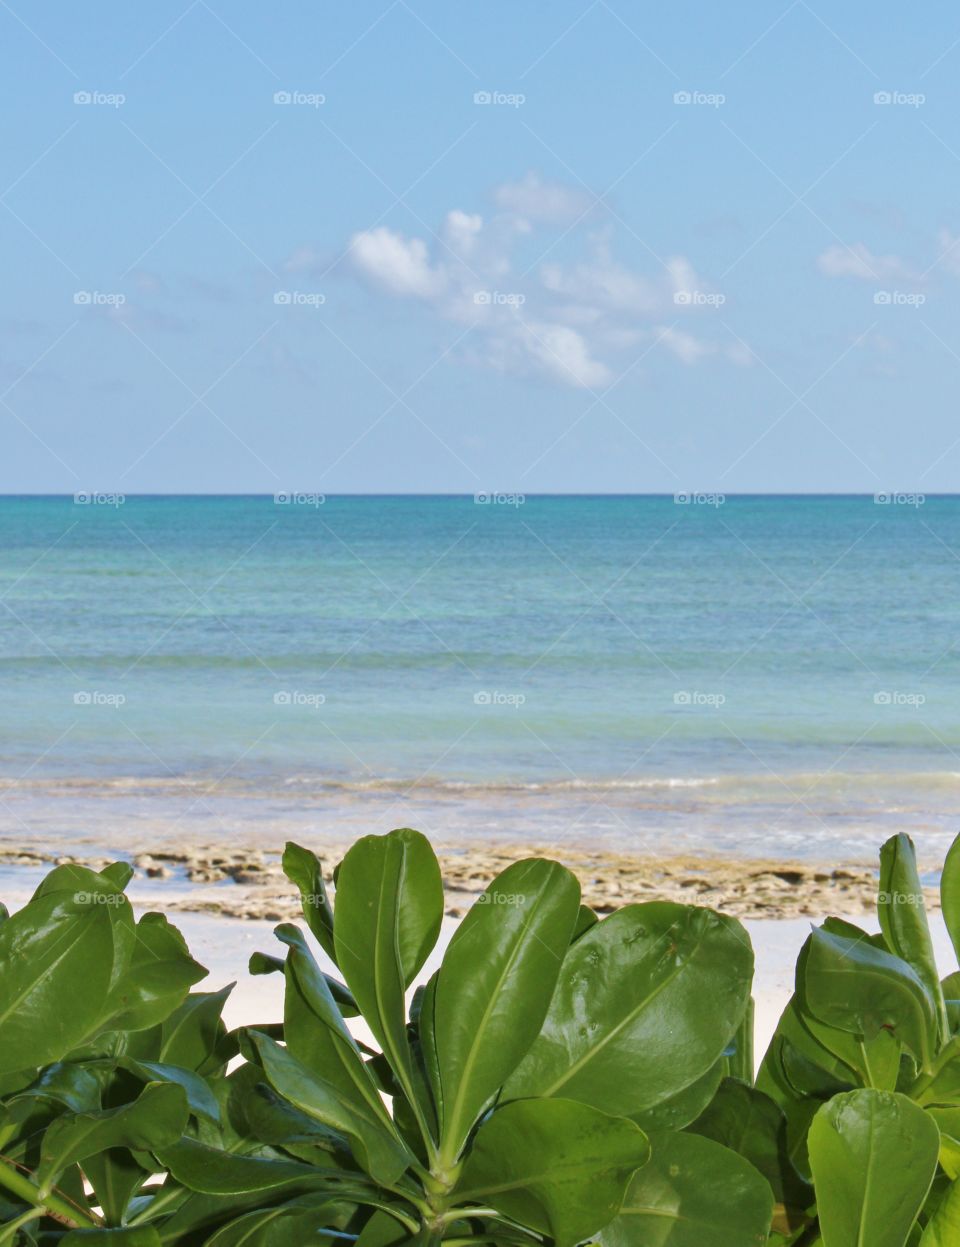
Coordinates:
<point>556,1080</point>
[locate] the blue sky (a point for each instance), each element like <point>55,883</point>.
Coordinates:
<point>398,246</point>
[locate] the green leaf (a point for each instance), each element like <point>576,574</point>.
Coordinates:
<point>950,894</point>
<point>646,1003</point>
<point>115,1177</point>
<point>64,1083</point>
<point>682,1108</point>
<point>160,973</point>
<point>389,908</point>
<point>315,1033</point>
<point>943,1228</point>
<point>125,1236</point>
<point>903,917</point>
<point>376,1145</point>
<point>213,1172</point>
<point>495,985</point>
<point>192,1033</point>
<point>752,1125</point>
<point>874,1155</point>
<point>59,957</point>
<point>305,872</point>
<point>852,985</point>
<point>557,1167</point>
<point>200,1098</point>
<point>301,1221</point>
<point>693,1193</point>
<point>153,1121</point>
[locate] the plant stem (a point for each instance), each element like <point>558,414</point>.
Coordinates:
<point>48,1204</point>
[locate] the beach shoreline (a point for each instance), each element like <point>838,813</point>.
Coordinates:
<point>247,882</point>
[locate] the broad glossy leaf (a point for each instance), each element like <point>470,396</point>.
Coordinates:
<point>376,1145</point>
<point>300,1221</point>
<point>950,894</point>
<point>192,1034</point>
<point>752,1125</point>
<point>903,917</point>
<point>64,1083</point>
<point>305,872</point>
<point>59,956</point>
<point>693,1193</point>
<point>214,1172</point>
<point>874,1155</point>
<point>559,1167</point>
<point>859,988</point>
<point>943,1228</point>
<point>687,1104</point>
<point>199,1096</point>
<point>646,1002</point>
<point>126,1236</point>
<point>389,907</point>
<point>948,1123</point>
<point>315,1033</point>
<point>153,1121</point>
<point>115,1177</point>
<point>495,985</point>
<point>160,973</point>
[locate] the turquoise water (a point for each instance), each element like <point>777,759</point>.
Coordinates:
<point>769,674</point>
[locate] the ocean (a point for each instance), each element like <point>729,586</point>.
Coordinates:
<point>744,675</point>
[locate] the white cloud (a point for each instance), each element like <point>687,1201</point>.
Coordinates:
<point>400,265</point>
<point>547,203</point>
<point>858,261</point>
<point>563,322</point>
